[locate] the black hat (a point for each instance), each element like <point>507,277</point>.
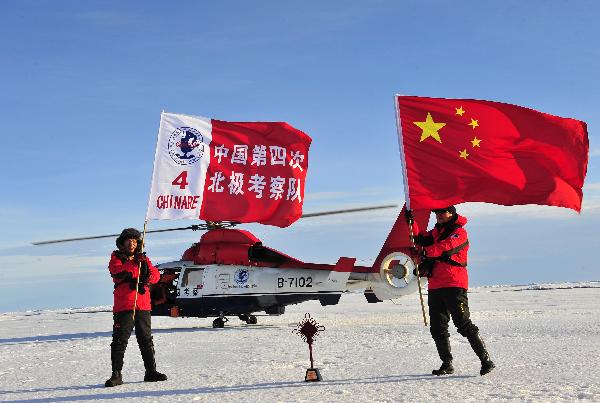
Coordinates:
<point>449,209</point>
<point>128,233</point>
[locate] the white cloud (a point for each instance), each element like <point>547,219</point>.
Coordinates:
<point>369,192</point>
<point>595,152</point>
<point>486,259</point>
<point>154,243</point>
<point>352,219</point>
<point>591,187</point>
<point>325,196</point>
<point>21,269</point>
<point>590,206</point>
<point>18,269</point>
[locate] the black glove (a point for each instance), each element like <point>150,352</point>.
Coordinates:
<point>419,240</point>
<point>410,218</point>
<point>140,257</point>
<point>144,272</point>
<point>141,286</point>
<point>424,240</point>
<point>426,268</point>
<point>124,276</point>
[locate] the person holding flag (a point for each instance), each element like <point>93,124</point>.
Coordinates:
<point>469,150</point>
<point>211,170</point>
<point>132,272</point>
<point>444,262</point>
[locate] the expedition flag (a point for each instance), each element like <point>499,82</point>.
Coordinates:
<point>228,171</point>
<point>466,150</point>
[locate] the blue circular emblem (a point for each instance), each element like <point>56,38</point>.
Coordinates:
<point>186,145</point>
<point>241,276</point>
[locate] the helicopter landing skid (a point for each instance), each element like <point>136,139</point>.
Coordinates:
<point>248,318</point>
<point>219,322</point>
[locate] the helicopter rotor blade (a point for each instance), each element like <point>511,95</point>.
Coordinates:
<point>108,236</point>
<point>212,225</point>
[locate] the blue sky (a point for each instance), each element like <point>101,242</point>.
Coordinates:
<point>83,83</point>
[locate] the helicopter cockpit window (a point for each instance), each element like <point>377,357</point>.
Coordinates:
<point>193,277</point>
<point>170,276</point>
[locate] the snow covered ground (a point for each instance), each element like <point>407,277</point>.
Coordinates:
<point>544,340</point>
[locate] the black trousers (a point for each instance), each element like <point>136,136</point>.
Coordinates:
<point>446,303</point>
<point>123,324</point>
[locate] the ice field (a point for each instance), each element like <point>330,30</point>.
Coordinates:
<point>543,338</point>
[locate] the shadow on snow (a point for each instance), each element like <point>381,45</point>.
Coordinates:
<point>94,335</point>
<point>220,389</point>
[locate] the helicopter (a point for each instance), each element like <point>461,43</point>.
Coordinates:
<point>229,272</point>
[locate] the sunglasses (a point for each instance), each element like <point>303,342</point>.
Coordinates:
<point>440,211</point>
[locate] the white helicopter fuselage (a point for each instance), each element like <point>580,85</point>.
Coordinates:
<point>227,280</point>
<point>213,290</point>
<point>230,272</point>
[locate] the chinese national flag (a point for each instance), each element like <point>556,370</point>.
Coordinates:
<point>466,150</point>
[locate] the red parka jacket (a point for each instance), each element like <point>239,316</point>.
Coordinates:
<point>124,296</point>
<point>445,275</point>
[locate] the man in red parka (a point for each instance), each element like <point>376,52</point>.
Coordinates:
<point>126,265</point>
<point>444,262</point>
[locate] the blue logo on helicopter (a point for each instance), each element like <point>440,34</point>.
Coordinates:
<point>241,276</point>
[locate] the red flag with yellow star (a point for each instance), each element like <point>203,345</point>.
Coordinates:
<point>466,150</point>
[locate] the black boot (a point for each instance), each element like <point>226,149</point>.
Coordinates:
<point>117,352</point>
<point>116,358</point>
<point>443,348</point>
<point>152,375</point>
<point>114,380</point>
<point>486,367</point>
<point>478,346</point>
<point>445,369</point>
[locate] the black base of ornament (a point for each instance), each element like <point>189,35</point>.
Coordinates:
<point>313,375</point>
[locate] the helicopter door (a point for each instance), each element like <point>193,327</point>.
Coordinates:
<point>191,283</point>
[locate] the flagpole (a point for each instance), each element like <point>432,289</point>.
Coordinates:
<point>137,283</point>
<point>156,153</point>
<point>407,199</point>
<point>412,242</point>
<point>401,147</point>
<point>146,218</point>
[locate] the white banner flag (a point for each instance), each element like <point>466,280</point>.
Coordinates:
<point>180,166</point>
<point>215,170</point>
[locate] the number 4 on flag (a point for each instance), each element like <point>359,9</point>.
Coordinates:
<point>181,180</point>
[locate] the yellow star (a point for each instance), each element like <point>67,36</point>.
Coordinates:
<point>430,128</point>
<point>475,141</point>
<point>460,111</point>
<point>474,123</point>
<point>464,154</point>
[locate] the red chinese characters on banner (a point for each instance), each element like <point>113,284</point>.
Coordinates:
<point>256,173</point>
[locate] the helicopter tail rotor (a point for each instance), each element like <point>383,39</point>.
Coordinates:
<point>395,277</point>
